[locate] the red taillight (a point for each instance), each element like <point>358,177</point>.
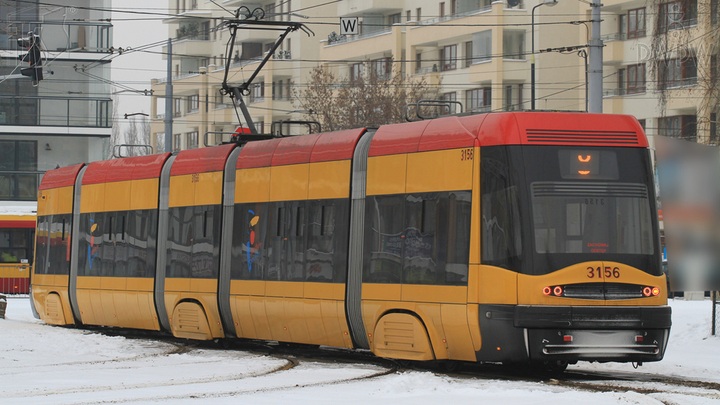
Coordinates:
<point>547,290</point>
<point>655,291</point>
<point>638,338</point>
<point>557,291</point>
<point>567,338</point>
<point>647,291</point>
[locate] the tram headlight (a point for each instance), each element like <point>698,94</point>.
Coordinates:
<point>558,291</point>
<point>547,290</point>
<point>647,291</point>
<point>655,291</point>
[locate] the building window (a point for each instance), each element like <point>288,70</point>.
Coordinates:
<point>714,134</point>
<point>478,99</point>
<point>193,103</point>
<point>381,67</point>
<point>678,73</point>
<point>636,23</point>
<point>192,140</point>
<point>448,56</point>
<point>450,109</point>
<point>442,9</point>
<point>257,92</point>
<point>622,26</point>
<point>17,157</point>
<point>418,13</point>
<point>514,44</point>
<point>468,53</point>
<point>176,107</point>
<point>513,97</point>
<point>714,11</point>
<point>621,81</point>
<point>680,126</point>
<point>453,7</point>
<point>177,142</point>
<point>482,46</point>
<point>636,79</point>
<point>394,19</point>
<point>356,71</point>
<point>677,15</point>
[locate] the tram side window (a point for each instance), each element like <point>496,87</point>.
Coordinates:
<point>437,238</point>
<point>326,257</point>
<point>12,245</point>
<point>41,243</point>
<point>501,226</point>
<point>92,235</point>
<point>141,229</point>
<point>193,242</point>
<point>382,247</point>
<point>249,244</point>
<point>286,252</point>
<point>59,245</point>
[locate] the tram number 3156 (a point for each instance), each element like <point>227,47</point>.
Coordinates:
<point>609,272</point>
<point>466,154</point>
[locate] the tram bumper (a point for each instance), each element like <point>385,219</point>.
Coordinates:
<point>573,333</point>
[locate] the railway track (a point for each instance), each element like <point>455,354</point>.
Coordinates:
<point>293,366</point>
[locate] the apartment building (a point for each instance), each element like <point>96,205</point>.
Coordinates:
<point>661,65</point>
<point>477,52</point>
<point>65,118</point>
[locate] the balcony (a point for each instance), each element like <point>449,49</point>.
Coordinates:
<point>61,36</point>
<point>613,52</point>
<point>455,16</point>
<point>341,39</point>
<point>199,45</point>
<point>55,111</point>
<point>255,35</point>
<point>353,8</point>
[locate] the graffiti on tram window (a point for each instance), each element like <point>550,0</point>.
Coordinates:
<point>92,249</point>
<point>253,249</point>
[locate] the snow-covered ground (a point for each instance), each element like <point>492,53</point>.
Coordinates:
<point>42,364</point>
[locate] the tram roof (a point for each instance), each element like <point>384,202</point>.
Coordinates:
<point>509,128</point>
<point>123,169</point>
<point>61,177</point>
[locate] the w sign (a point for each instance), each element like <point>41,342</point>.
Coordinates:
<point>349,26</point>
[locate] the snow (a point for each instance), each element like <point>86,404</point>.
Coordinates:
<point>42,364</point>
<point>19,208</point>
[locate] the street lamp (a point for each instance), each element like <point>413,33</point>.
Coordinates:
<point>532,53</point>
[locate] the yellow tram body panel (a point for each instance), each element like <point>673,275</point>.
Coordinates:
<point>117,301</point>
<point>196,189</point>
<point>201,322</point>
<point>50,291</point>
<point>50,294</point>
<point>329,180</point>
<point>530,287</point>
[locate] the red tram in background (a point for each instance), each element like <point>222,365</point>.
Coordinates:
<point>504,237</point>
<point>17,238</point>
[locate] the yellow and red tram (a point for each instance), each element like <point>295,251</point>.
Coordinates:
<point>508,237</point>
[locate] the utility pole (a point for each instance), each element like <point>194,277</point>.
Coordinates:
<point>169,100</point>
<point>595,74</point>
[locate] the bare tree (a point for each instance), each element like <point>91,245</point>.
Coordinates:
<point>369,100</point>
<point>137,134</point>
<point>684,64</point>
<point>115,135</point>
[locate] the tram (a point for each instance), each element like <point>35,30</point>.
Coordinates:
<point>17,238</point>
<point>504,237</point>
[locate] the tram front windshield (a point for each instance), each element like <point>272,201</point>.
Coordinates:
<point>548,207</point>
